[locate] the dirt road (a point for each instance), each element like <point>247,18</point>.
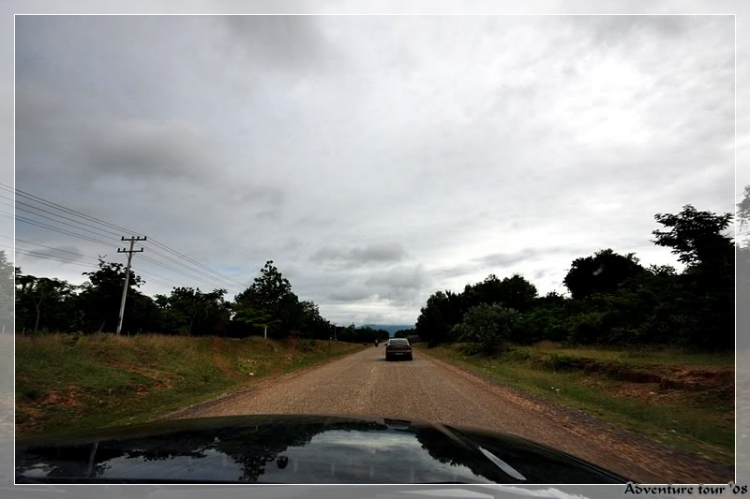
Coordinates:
<point>364,384</point>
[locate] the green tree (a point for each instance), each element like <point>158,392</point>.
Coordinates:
<point>312,324</point>
<point>707,298</point>
<point>513,292</point>
<point>98,303</point>
<point>697,237</point>
<point>602,273</point>
<point>488,325</point>
<point>191,311</point>
<point>38,295</point>
<point>431,323</point>
<point>270,297</point>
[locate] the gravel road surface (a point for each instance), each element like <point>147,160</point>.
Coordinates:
<point>364,384</point>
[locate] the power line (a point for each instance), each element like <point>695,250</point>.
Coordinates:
<point>61,216</point>
<point>50,257</point>
<point>62,231</point>
<point>196,263</point>
<point>65,223</point>
<point>81,257</point>
<point>200,274</point>
<point>201,268</point>
<point>94,261</point>
<point>69,210</point>
<point>151,277</point>
<point>177,271</point>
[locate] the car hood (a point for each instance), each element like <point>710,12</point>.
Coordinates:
<point>297,449</point>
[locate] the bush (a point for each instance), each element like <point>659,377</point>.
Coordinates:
<point>586,328</point>
<point>561,362</point>
<point>519,355</point>
<point>542,323</point>
<point>306,345</point>
<point>470,349</point>
<point>487,325</point>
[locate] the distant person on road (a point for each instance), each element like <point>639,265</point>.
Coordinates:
<point>376,342</point>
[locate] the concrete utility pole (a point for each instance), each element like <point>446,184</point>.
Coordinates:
<point>130,252</point>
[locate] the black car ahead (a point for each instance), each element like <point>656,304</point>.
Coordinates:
<point>297,449</point>
<point>398,348</point>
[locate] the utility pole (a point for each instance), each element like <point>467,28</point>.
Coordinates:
<point>130,252</point>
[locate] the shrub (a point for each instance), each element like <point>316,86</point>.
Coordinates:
<point>306,345</point>
<point>586,328</point>
<point>487,325</point>
<point>561,362</point>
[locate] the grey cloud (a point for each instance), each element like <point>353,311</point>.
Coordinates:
<point>282,42</point>
<point>140,147</point>
<point>310,140</point>
<point>616,29</point>
<point>401,284</point>
<point>361,255</point>
<point>509,259</point>
<point>351,293</point>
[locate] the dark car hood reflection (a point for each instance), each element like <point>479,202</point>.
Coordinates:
<point>297,449</point>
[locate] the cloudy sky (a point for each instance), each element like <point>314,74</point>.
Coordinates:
<point>374,159</point>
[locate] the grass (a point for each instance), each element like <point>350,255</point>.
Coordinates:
<point>65,383</point>
<point>637,357</point>
<point>702,426</point>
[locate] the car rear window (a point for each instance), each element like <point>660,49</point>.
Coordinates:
<point>399,341</point>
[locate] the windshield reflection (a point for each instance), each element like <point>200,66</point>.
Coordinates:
<point>349,452</point>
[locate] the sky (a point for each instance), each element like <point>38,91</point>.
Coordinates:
<point>374,159</point>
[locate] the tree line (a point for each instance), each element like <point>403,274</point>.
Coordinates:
<point>614,299</point>
<point>268,306</point>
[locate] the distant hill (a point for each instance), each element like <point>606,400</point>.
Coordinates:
<point>391,328</point>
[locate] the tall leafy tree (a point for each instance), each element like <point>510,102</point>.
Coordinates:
<point>487,324</point>
<point>697,237</point>
<point>514,292</point>
<point>99,300</point>
<point>41,295</point>
<point>191,311</point>
<point>269,299</point>
<point>433,322</point>
<point>603,272</point>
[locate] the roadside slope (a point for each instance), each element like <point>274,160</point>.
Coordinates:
<point>65,382</point>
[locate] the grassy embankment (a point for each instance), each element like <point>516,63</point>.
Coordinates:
<point>683,399</point>
<point>68,383</point>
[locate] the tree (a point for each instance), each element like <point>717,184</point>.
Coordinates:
<point>602,273</point>
<point>270,296</point>
<point>191,311</point>
<point>431,323</point>
<point>41,293</point>
<point>696,236</point>
<point>99,300</point>
<point>312,324</point>
<point>514,292</point>
<point>708,282</point>
<point>488,325</point>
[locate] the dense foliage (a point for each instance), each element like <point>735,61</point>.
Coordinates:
<point>52,305</point>
<point>485,324</point>
<point>613,298</point>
